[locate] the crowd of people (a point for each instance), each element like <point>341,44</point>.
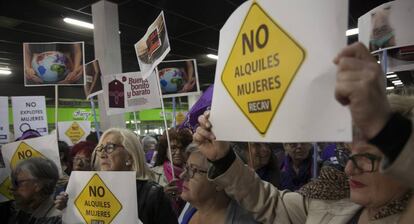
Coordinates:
<point>207,181</point>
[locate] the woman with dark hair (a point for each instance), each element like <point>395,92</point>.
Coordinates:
<point>179,140</point>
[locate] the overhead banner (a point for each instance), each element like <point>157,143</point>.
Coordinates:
<point>53,63</point>
<point>178,78</point>
<point>4,120</point>
<point>73,132</point>
<point>29,112</point>
<point>273,75</point>
<point>153,47</point>
<point>129,92</point>
<point>387,26</point>
<point>97,197</point>
<point>93,85</point>
<point>5,181</point>
<point>45,146</point>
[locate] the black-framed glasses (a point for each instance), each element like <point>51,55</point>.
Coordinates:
<point>108,148</point>
<point>189,172</point>
<point>81,159</point>
<point>17,183</point>
<point>365,162</point>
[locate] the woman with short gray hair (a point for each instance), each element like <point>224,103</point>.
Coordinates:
<point>33,186</point>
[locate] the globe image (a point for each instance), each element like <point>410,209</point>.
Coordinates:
<point>171,80</point>
<point>51,66</point>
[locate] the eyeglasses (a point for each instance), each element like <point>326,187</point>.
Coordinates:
<point>18,183</point>
<point>108,148</point>
<point>81,159</point>
<point>189,172</point>
<point>365,162</point>
<point>176,148</point>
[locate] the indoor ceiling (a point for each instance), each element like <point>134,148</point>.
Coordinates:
<point>193,28</point>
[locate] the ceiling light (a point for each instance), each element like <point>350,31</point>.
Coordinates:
<point>351,32</point>
<point>212,56</point>
<point>390,87</point>
<point>392,76</point>
<point>5,72</point>
<point>396,81</point>
<point>78,23</point>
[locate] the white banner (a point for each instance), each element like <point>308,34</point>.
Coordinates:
<point>29,112</point>
<point>275,78</point>
<point>129,92</point>
<point>44,146</point>
<point>387,26</point>
<point>4,120</point>
<point>153,47</point>
<point>98,197</point>
<point>73,132</point>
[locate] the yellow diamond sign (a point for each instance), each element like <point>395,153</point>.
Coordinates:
<point>23,152</point>
<point>96,203</point>
<point>261,65</point>
<point>4,188</point>
<point>75,133</point>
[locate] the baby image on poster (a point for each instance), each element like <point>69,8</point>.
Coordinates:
<point>53,63</point>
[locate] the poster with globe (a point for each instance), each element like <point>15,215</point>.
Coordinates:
<point>178,78</point>
<point>53,63</point>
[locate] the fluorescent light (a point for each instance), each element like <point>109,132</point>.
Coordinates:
<point>392,76</point>
<point>5,72</point>
<point>78,23</point>
<point>351,32</point>
<point>213,56</point>
<point>389,73</point>
<point>396,81</point>
<point>390,87</point>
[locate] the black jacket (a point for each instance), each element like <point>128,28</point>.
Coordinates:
<point>153,205</point>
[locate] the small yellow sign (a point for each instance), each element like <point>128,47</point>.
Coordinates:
<point>179,118</point>
<point>260,67</point>
<point>4,188</point>
<point>96,203</point>
<point>75,132</point>
<point>23,152</point>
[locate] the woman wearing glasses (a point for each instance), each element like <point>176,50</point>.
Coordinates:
<point>120,150</point>
<point>209,203</point>
<point>81,156</point>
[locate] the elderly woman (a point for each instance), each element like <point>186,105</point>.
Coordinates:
<point>81,156</point>
<point>120,150</point>
<point>179,140</point>
<point>260,157</point>
<point>209,203</point>
<point>374,197</point>
<point>296,169</point>
<point>149,144</point>
<point>33,185</point>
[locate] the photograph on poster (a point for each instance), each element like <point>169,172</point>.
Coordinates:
<point>387,26</point>
<point>93,85</point>
<point>178,78</point>
<point>154,46</point>
<point>399,59</point>
<point>55,63</point>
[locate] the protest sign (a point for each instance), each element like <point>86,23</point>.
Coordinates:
<point>73,132</point>
<point>44,146</point>
<point>97,197</point>
<point>53,63</point>
<point>275,79</point>
<point>4,120</point>
<point>178,78</point>
<point>153,47</point>
<point>93,85</point>
<point>29,112</point>
<point>5,181</point>
<point>129,92</point>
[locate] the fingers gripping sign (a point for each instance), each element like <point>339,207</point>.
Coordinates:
<point>360,85</point>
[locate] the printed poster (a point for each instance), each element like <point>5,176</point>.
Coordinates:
<point>153,47</point>
<point>97,197</point>
<point>93,85</point>
<point>44,146</point>
<point>4,120</point>
<point>129,92</point>
<point>178,78</point>
<point>73,132</point>
<point>53,63</point>
<point>275,79</point>
<point>29,112</point>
